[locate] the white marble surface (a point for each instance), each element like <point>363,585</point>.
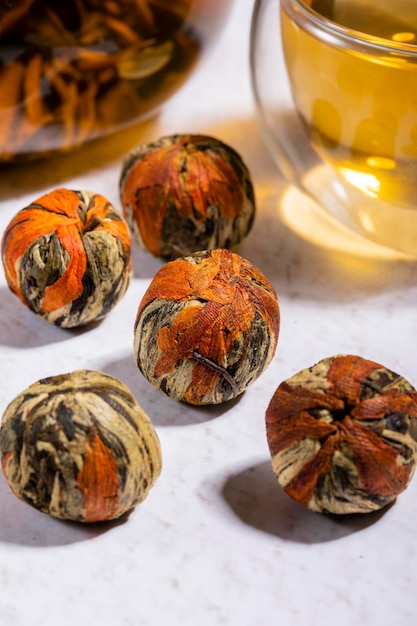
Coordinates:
<point>216,542</point>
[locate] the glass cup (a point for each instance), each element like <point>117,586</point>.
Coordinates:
<point>76,70</point>
<point>338,108</point>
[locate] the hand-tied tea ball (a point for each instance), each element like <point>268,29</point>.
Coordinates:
<point>186,193</point>
<point>67,256</point>
<point>343,435</point>
<point>79,447</point>
<point>207,327</point>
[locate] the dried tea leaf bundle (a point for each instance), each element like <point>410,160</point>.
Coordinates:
<point>343,435</point>
<point>186,193</point>
<point>79,447</point>
<point>207,327</point>
<point>67,256</point>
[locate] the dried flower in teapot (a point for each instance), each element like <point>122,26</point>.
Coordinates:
<point>76,70</point>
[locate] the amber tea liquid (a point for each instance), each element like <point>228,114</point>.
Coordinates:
<point>360,108</point>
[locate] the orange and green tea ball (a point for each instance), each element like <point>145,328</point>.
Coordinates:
<point>67,256</point>
<point>207,327</point>
<point>79,447</point>
<point>185,193</point>
<point>343,435</point>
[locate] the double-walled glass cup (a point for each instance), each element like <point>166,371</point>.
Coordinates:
<point>338,108</point>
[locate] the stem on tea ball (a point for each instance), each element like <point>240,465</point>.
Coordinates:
<point>217,368</point>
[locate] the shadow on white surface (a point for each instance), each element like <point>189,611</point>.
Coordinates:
<point>23,525</point>
<point>164,410</point>
<point>19,179</point>
<point>256,498</point>
<point>22,328</point>
<point>145,265</point>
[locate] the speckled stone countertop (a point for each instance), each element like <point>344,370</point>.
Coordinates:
<point>216,542</point>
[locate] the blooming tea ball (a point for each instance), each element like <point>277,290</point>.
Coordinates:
<point>186,193</point>
<point>343,435</point>
<point>207,327</point>
<point>79,447</point>
<point>67,256</point>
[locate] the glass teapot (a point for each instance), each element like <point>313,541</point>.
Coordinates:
<point>77,70</point>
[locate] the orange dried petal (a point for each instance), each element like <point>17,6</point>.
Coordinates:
<point>98,481</point>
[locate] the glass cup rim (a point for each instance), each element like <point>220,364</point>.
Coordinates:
<point>341,36</point>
